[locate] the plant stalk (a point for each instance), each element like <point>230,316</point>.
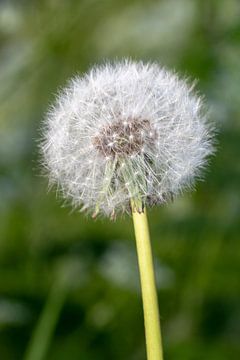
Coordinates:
<point>43,333</point>
<point>148,284</point>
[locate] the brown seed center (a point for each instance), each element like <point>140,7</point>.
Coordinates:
<point>124,137</point>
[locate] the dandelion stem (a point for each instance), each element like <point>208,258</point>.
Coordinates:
<point>148,284</point>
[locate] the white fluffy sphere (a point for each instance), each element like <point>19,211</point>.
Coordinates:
<point>125,130</point>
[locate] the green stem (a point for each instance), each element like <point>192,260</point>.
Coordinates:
<point>148,284</point>
<point>43,333</point>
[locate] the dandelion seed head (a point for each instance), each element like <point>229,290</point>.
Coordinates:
<point>125,130</point>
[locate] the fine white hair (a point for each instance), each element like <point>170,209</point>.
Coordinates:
<point>126,130</point>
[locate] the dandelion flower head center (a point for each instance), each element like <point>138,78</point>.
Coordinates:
<point>124,137</point>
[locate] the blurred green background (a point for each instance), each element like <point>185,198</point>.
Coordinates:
<point>75,279</point>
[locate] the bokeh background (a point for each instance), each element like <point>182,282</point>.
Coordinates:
<point>69,286</point>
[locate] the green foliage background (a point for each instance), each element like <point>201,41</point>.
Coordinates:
<point>83,271</point>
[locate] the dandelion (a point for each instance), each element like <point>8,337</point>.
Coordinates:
<point>123,137</point>
<point>123,131</point>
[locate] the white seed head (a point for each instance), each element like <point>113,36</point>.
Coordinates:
<point>125,130</point>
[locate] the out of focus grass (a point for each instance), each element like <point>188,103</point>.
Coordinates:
<point>195,240</point>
